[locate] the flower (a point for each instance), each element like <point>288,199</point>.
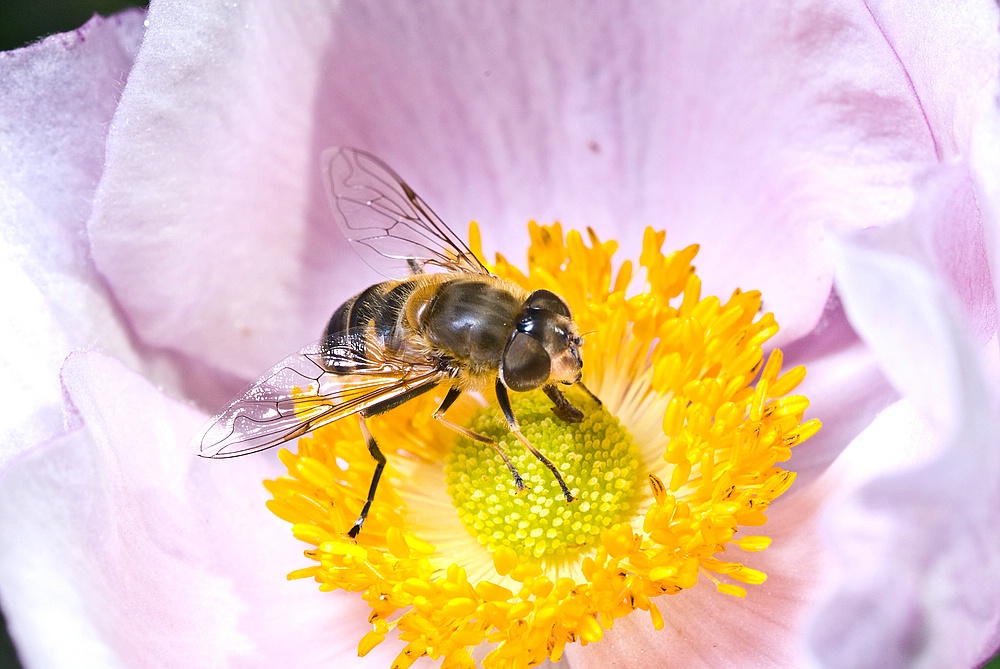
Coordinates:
<point>163,209</point>
<point>452,558</point>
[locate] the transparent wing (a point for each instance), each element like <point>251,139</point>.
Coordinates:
<point>390,226</point>
<point>300,394</point>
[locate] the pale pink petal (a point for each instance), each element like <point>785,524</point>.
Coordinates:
<point>911,556</point>
<point>751,133</point>
<point>952,69</point>
<point>903,312</point>
<point>56,100</point>
<point>845,387</point>
<point>132,551</point>
<point>950,228</point>
<point>949,56</point>
<point>985,168</point>
<point>985,162</point>
<point>914,552</point>
<point>745,130</point>
<point>209,217</point>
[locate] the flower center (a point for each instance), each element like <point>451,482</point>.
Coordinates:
<point>597,458</point>
<point>454,563</point>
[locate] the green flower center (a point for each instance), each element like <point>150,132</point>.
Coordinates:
<point>597,458</point>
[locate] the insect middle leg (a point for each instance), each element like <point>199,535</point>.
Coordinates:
<point>504,401</point>
<point>475,436</point>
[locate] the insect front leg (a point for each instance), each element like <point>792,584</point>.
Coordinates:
<point>590,394</point>
<point>379,466</point>
<point>504,401</point>
<point>475,436</point>
<point>561,406</point>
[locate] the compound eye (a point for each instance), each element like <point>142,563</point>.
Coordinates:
<point>546,299</point>
<point>525,364</point>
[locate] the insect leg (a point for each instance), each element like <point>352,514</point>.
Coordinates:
<point>504,400</point>
<point>475,436</point>
<point>561,406</point>
<point>592,395</point>
<point>374,410</point>
<point>379,466</point>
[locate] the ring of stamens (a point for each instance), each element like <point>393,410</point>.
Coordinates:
<point>711,419</point>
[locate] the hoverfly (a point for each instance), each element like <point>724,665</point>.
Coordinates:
<point>448,322</point>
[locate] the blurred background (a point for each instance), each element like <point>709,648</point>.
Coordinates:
<point>23,22</point>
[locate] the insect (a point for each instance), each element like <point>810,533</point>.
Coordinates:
<point>447,322</point>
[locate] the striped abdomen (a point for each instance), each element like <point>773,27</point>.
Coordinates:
<point>378,312</point>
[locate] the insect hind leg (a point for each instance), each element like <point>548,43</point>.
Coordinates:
<point>379,458</point>
<point>376,453</point>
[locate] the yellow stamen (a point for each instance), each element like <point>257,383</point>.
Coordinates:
<point>671,475</point>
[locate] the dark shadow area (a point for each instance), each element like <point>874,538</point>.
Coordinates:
<point>22,23</point>
<point>8,656</point>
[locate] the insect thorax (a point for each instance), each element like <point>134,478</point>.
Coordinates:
<point>471,319</point>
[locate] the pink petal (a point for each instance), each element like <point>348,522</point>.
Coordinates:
<point>56,99</point>
<point>209,218</point>
<point>132,551</point>
<point>951,230</point>
<point>745,131</point>
<point>884,281</point>
<point>845,387</point>
<point>949,57</point>
<point>950,62</point>
<point>915,550</point>
<point>738,130</point>
<point>913,555</point>
<point>985,170</point>
<point>985,163</point>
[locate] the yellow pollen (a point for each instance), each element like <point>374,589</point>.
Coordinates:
<point>596,457</point>
<point>674,475</point>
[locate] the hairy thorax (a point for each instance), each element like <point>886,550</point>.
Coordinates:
<point>467,318</point>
